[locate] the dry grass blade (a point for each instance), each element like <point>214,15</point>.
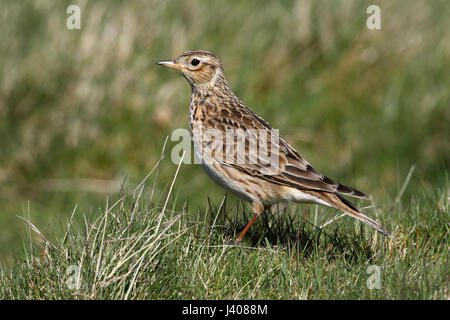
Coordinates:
<point>170,191</point>
<point>36,230</point>
<point>405,184</point>
<point>332,220</point>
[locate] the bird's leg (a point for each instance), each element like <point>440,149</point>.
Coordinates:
<point>257,209</point>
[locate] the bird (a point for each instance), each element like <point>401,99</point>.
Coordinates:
<point>260,173</point>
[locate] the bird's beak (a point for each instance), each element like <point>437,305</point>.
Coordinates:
<point>171,64</point>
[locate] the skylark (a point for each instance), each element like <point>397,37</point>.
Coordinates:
<point>254,170</point>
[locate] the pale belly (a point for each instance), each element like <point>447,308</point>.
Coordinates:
<point>221,176</point>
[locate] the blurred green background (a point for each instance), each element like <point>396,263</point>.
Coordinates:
<point>82,109</point>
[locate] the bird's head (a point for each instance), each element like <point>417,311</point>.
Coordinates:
<point>198,67</point>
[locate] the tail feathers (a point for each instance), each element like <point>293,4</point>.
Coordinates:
<point>351,210</point>
<point>352,192</point>
<point>339,202</point>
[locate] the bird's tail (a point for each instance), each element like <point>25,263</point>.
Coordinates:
<point>343,204</point>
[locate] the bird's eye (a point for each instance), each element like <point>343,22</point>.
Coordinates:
<point>195,62</point>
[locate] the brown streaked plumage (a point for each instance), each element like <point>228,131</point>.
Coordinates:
<point>215,109</point>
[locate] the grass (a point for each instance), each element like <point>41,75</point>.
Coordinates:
<point>142,245</point>
<point>85,114</point>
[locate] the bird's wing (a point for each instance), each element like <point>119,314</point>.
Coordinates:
<point>277,162</point>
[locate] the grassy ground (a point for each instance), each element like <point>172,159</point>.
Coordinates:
<point>142,246</point>
<point>85,110</point>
